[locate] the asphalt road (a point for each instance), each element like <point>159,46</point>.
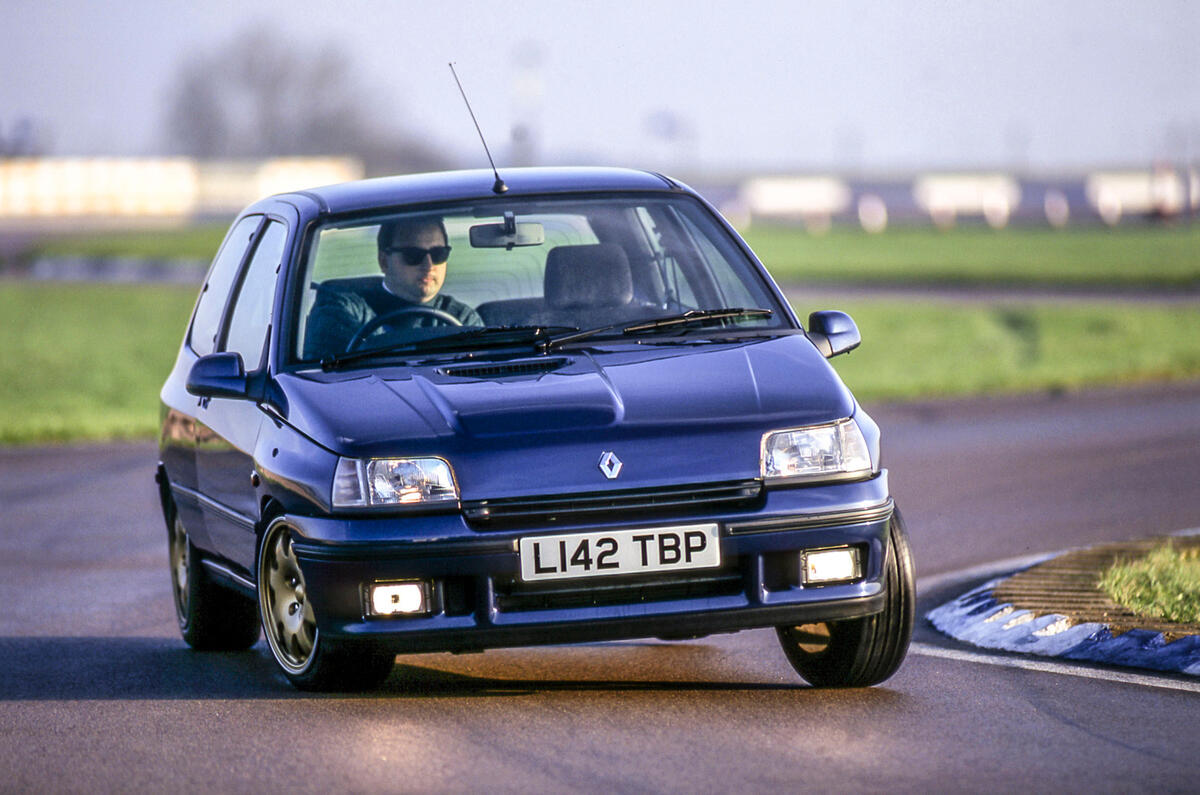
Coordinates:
<point>99,694</point>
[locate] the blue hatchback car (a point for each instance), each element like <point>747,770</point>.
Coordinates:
<point>434,413</point>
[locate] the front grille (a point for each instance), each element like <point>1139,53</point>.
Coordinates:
<point>629,502</point>
<point>516,596</point>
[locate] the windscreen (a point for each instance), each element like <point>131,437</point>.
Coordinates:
<point>560,264</point>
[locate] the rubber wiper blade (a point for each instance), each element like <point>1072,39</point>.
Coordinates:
<point>695,317</point>
<point>476,337</point>
<point>692,316</point>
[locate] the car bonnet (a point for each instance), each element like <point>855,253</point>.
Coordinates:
<point>672,413</point>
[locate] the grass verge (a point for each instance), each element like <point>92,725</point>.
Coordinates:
<point>188,243</point>
<point>1147,256</point>
<point>916,350</point>
<point>86,361</point>
<point>1164,584</point>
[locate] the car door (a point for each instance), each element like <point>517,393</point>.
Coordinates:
<point>178,440</point>
<point>227,428</point>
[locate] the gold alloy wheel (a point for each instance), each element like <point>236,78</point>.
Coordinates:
<point>810,638</point>
<point>179,569</point>
<point>288,619</point>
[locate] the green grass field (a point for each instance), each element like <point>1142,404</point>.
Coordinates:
<point>87,361</point>
<point>189,243</point>
<point>912,350</point>
<point>1153,256</point>
<point>1145,256</point>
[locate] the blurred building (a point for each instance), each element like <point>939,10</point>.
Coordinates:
<point>78,192</point>
<point>819,202</point>
<point>106,190</point>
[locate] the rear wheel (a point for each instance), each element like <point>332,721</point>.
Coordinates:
<point>308,661</point>
<point>211,617</point>
<point>862,651</point>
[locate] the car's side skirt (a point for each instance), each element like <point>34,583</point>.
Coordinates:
<point>230,578</point>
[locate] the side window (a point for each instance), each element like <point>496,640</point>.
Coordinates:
<point>215,293</point>
<point>252,310</point>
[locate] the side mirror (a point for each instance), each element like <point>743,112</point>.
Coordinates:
<point>833,332</point>
<point>219,375</point>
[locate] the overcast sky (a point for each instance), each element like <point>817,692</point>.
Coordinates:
<point>878,86</point>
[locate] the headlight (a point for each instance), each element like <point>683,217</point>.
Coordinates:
<point>835,451</point>
<point>392,481</point>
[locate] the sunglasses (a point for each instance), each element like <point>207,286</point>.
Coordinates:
<point>415,255</point>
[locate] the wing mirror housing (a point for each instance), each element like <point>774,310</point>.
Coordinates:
<point>220,375</point>
<point>833,332</point>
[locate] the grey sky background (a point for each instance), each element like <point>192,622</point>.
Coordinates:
<point>873,86</point>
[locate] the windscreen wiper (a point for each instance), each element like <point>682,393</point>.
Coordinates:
<point>691,317</point>
<point>487,336</point>
<point>695,317</point>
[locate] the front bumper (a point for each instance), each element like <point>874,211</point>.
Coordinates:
<point>478,600</point>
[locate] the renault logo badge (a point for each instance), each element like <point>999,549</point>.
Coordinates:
<point>610,465</point>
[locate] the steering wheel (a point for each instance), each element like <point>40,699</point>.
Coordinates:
<point>374,323</point>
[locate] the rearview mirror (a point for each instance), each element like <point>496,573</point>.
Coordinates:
<point>526,233</point>
<point>833,332</point>
<point>218,375</point>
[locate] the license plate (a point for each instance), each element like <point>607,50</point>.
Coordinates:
<point>619,552</point>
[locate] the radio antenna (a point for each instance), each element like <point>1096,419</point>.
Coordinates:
<point>498,186</point>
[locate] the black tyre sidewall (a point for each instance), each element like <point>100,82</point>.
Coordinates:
<point>866,651</point>
<point>216,618</point>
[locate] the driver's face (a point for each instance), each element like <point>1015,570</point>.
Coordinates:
<point>417,283</point>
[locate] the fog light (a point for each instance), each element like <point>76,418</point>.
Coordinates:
<point>394,598</point>
<point>831,565</point>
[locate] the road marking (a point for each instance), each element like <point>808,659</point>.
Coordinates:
<point>1144,680</point>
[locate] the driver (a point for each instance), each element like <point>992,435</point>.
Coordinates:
<point>413,253</point>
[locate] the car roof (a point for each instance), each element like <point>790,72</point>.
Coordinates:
<point>367,194</point>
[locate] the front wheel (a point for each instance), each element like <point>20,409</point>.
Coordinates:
<point>860,652</point>
<point>290,625</point>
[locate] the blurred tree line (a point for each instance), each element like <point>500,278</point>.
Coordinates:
<point>22,138</point>
<point>260,96</point>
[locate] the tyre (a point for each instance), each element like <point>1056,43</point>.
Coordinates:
<point>290,625</point>
<point>864,651</point>
<point>211,617</point>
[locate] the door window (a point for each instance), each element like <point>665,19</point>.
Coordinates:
<point>251,315</point>
<point>215,293</point>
